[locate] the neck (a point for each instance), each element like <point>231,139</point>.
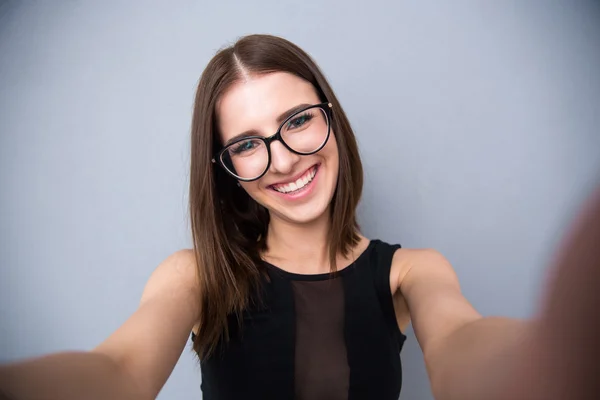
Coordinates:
<point>299,247</point>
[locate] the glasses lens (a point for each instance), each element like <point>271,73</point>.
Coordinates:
<point>246,159</point>
<point>306,131</point>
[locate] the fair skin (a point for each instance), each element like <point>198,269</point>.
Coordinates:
<point>467,356</point>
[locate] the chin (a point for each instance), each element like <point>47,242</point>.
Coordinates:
<point>302,216</point>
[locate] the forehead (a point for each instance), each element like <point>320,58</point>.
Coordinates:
<point>255,103</point>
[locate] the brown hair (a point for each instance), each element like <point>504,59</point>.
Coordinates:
<point>228,227</point>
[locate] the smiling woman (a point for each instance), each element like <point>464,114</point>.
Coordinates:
<point>282,136</point>
<point>303,144</point>
<point>283,295</point>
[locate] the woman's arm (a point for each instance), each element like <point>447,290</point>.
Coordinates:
<point>67,375</point>
<point>132,363</point>
<point>469,357</point>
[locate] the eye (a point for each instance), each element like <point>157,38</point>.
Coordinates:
<point>244,146</point>
<point>299,121</point>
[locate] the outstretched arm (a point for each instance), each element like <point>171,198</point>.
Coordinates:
<point>469,357</point>
<point>131,364</point>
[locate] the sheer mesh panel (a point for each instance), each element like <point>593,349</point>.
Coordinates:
<point>316,337</point>
<point>321,362</point>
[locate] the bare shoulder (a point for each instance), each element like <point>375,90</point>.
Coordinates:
<point>177,274</point>
<point>406,260</point>
<point>402,263</point>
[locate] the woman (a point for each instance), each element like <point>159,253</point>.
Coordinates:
<point>285,298</point>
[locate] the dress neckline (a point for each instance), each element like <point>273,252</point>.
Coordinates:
<point>324,275</point>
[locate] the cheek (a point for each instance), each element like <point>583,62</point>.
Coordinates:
<point>255,191</point>
<point>333,158</point>
<point>331,148</point>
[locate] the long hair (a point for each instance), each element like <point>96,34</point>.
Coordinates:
<point>229,228</point>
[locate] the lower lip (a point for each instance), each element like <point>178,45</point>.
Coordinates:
<point>304,192</point>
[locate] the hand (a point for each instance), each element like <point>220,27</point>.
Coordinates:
<point>564,359</point>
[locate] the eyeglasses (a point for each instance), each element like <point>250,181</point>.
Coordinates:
<point>304,133</point>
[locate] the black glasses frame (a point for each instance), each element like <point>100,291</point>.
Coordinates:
<point>326,107</point>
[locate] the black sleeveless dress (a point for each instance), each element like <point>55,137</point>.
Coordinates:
<point>315,337</point>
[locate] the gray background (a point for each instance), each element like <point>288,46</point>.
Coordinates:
<point>477,123</point>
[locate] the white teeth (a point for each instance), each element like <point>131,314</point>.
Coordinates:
<point>299,184</point>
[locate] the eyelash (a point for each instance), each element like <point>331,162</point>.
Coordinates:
<point>307,114</point>
<point>237,149</point>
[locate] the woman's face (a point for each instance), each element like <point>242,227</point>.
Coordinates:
<point>256,105</point>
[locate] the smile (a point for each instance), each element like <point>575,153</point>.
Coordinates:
<point>299,184</point>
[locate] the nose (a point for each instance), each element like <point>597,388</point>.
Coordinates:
<point>282,160</point>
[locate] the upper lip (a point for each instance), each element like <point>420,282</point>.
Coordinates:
<point>294,178</point>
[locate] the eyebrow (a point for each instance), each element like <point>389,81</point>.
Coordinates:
<point>282,117</point>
